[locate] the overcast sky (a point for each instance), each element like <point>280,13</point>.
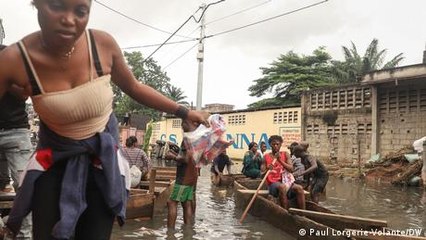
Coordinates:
<point>232,60</point>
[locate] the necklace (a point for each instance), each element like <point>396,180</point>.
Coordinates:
<point>69,53</point>
<point>66,55</point>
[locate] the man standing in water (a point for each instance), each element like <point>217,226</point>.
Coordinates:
<point>186,181</point>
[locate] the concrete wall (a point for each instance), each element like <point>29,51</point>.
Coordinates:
<point>337,124</point>
<point>401,114</point>
<point>244,127</point>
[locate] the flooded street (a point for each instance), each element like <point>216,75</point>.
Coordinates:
<point>217,217</point>
<point>402,207</point>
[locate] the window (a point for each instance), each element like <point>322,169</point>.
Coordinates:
<point>156,126</point>
<point>286,117</point>
<point>176,123</point>
<point>238,119</point>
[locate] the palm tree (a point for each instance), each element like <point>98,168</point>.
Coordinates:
<point>176,94</point>
<point>355,65</point>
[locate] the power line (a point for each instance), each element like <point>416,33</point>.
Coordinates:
<point>180,56</point>
<point>133,19</point>
<point>191,17</point>
<point>158,44</point>
<point>216,20</point>
<point>239,12</point>
<point>267,19</point>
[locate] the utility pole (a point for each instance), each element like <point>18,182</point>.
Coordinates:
<point>200,58</point>
<point>2,34</point>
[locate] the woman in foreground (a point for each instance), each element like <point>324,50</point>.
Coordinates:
<point>74,184</point>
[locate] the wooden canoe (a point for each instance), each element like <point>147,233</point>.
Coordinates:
<point>160,184</point>
<point>315,218</point>
<point>140,204</point>
<point>150,198</point>
<point>227,180</point>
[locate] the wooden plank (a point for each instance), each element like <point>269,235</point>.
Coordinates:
<point>160,172</point>
<point>7,196</point>
<point>339,218</point>
<point>162,196</point>
<point>162,175</point>
<point>249,191</point>
<point>159,190</point>
<point>164,178</point>
<point>165,168</point>
<point>140,205</point>
<point>152,177</point>
<point>380,235</point>
<point>157,183</point>
<point>262,192</point>
<point>228,180</point>
<point>6,204</point>
<point>134,191</point>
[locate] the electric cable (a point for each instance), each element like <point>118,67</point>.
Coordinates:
<point>191,17</point>
<point>267,19</point>
<point>239,12</point>
<point>180,56</point>
<point>134,20</point>
<point>158,44</point>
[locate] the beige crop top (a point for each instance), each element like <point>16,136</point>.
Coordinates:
<point>77,113</point>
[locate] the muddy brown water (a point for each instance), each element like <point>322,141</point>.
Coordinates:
<point>217,217</point>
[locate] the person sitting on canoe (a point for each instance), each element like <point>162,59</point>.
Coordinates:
<point>252,162</point>
<point>218,165</point>
<point>280,179</point>
<point>137,157</point>
<point>315,169</point>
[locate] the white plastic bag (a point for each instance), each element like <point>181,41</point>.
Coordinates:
<point>418,144</point>
<point>287,179</point>
<point>205,142</point>
<point>135,176</point>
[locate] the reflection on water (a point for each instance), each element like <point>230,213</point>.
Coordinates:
<point>402,207</point>
<point>217,217</point>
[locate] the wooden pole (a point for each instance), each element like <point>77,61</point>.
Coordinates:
<point>256,193</point>
<point>152,177</point>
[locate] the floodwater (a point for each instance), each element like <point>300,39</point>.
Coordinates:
<point>217,217</point>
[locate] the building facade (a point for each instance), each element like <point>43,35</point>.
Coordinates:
<point>244,126</point>
<point>380,115</point>
<point>399,107</point>
<point>337,123</point>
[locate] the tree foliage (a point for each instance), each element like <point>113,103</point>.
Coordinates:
<point>291,74</point>
<point>150,73</point>
<point>356,65</point>
<point>176,94</point>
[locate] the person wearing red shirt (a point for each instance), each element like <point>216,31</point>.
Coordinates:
<point>283,188</point>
